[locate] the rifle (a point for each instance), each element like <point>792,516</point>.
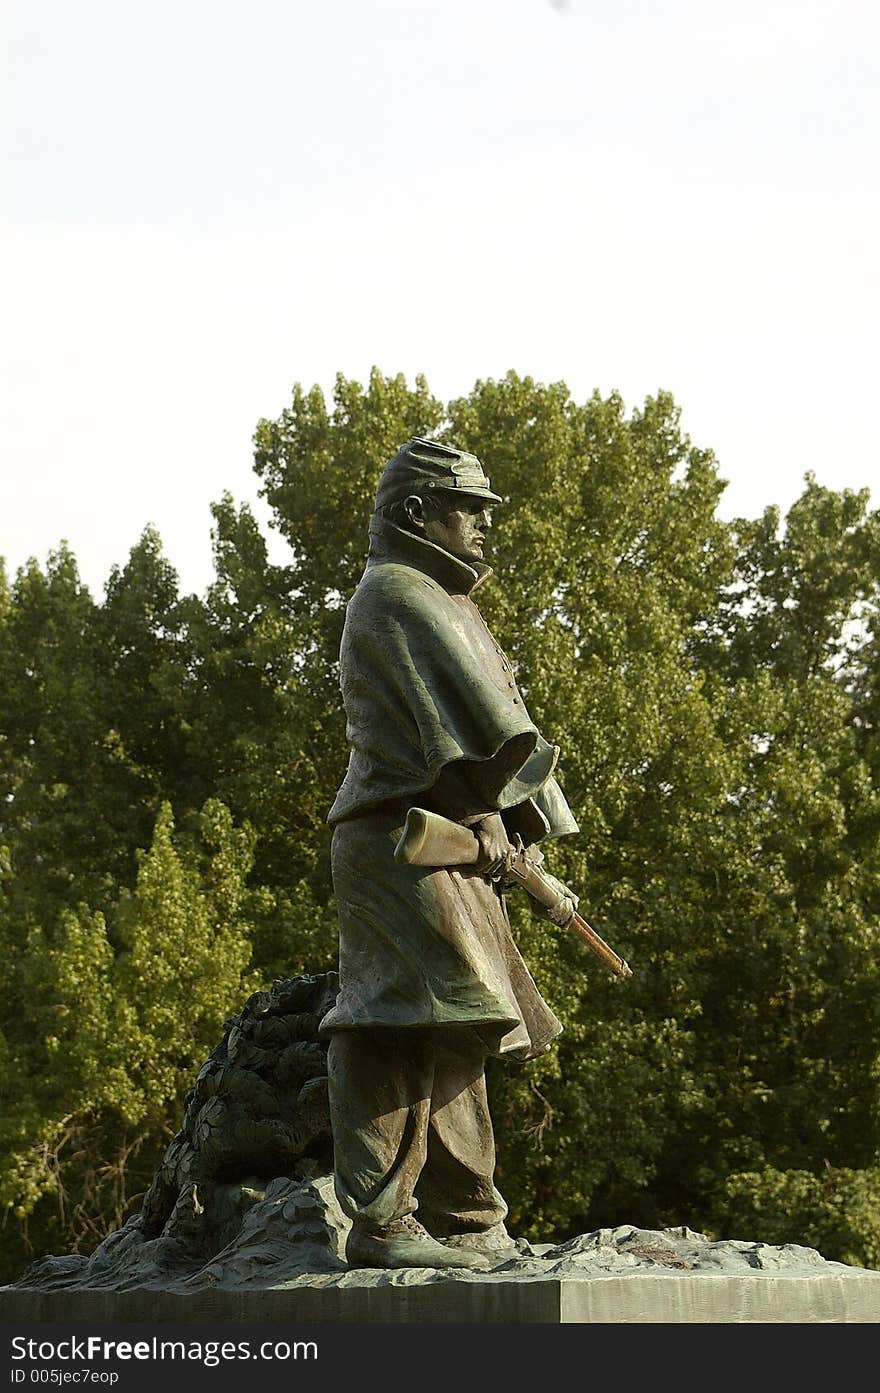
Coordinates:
<point>431,840</point>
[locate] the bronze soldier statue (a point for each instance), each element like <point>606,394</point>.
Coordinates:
<point>431,981</point>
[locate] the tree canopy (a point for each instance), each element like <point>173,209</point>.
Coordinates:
<point>167,762</point>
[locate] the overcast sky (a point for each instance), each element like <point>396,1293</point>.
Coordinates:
<point>207,200</point>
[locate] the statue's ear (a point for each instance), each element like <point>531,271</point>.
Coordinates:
<point>415,512</point>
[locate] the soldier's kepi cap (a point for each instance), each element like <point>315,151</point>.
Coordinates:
<point>425,466</point>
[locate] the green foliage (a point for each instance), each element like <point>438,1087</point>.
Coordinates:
<point>167,762</point>
<point>836,1211</point>
<point>701,679</point>
<point>108,1020</point>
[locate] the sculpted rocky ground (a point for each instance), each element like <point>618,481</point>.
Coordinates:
<point>292,1234</point>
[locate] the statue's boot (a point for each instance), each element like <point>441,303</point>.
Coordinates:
<point>494,1243</point>
<point>404,1243</point>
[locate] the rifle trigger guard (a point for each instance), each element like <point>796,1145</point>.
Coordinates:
<point>516,852</point>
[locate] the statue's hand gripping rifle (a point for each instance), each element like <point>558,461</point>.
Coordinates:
<point>430,840</point>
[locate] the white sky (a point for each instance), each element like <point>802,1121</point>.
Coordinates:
<point>206,200</point>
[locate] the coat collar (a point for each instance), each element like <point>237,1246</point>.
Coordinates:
<point>390,543</point>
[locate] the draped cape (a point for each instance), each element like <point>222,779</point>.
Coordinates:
<point>435,719</point>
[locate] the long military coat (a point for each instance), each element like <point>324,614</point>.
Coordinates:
<point>434,719</point>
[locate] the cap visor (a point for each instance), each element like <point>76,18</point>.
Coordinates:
<point>468,493</point>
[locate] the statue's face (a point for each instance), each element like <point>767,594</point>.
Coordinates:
<point>460,529</point>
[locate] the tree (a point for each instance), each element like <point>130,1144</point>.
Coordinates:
<point>109,1018</point>
<point>716,788</point>
<point>167,763</point>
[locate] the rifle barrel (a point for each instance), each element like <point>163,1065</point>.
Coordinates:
<point>595,941</point>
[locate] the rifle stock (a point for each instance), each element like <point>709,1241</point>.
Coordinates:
<point>428,839</point>
<point>431,840</point>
